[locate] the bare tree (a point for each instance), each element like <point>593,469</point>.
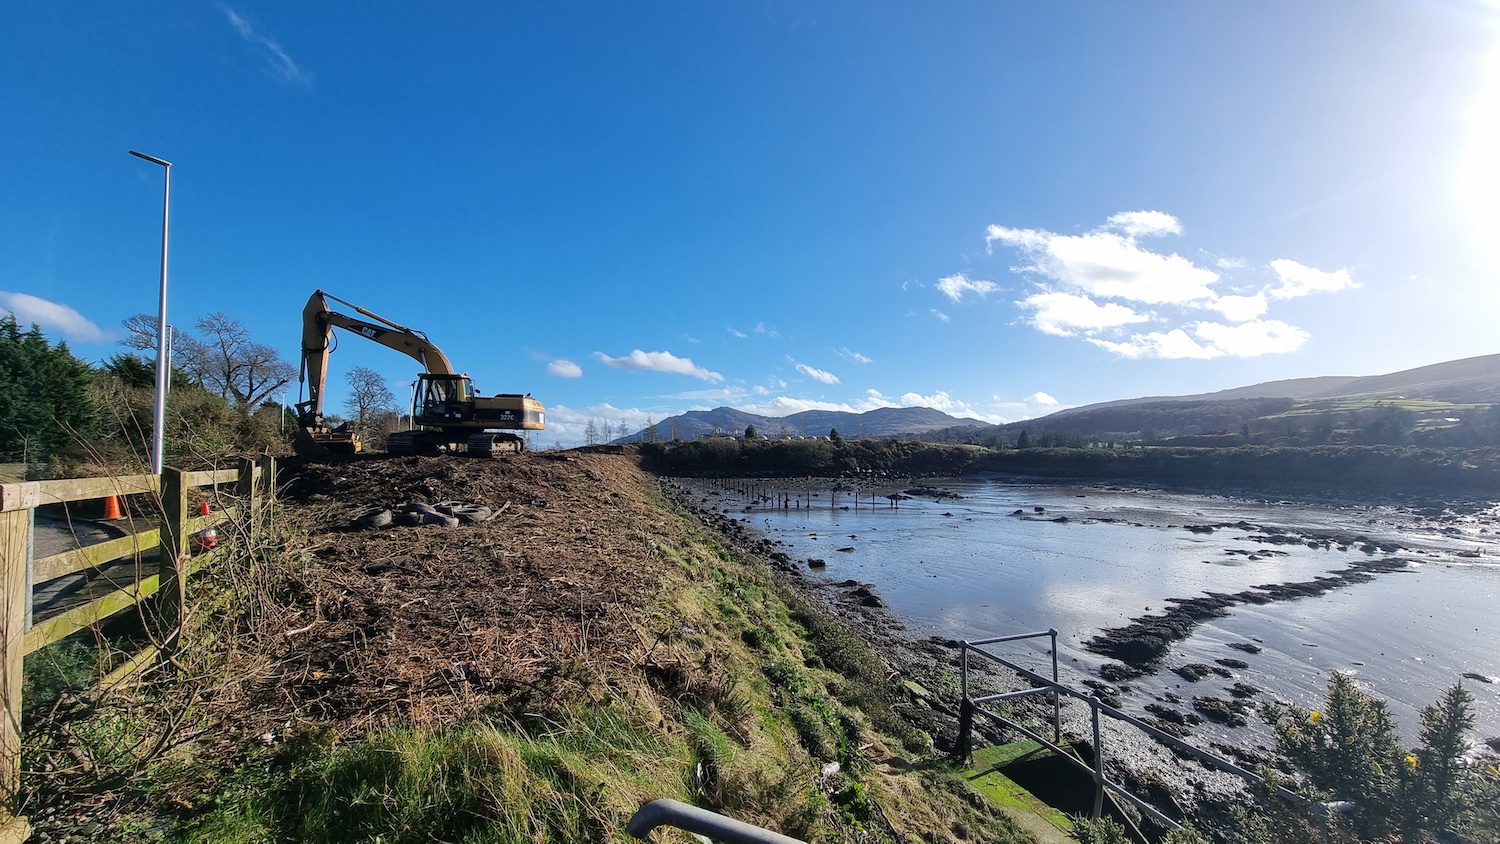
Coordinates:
<point>141,331</point>
<point>623,429</point>
<point>649,433</point>
<point>590,433</point>
<point>225,360</point>
<point>676,429</point>
<point>369,397</point>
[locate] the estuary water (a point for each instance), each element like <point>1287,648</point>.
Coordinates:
<point>1012,557</point>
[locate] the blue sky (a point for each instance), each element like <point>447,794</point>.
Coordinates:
<point>993,208</point>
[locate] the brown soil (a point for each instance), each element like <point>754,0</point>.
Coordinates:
<point>431,622</point>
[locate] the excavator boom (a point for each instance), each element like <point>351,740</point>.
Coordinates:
<point>448,404</point>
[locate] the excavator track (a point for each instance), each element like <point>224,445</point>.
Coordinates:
<point>492,445</point>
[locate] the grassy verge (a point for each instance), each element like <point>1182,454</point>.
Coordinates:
<point>737,696</point>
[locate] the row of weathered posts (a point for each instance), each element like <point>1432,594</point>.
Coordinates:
<point>246,495</point>
<point>777,498</point>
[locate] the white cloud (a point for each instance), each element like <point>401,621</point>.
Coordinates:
<point>939,400</point>
<point>1211,340</point>
<point>566,426</point>
<point>736,334</point>
<point>279,63</point>
<point>1076,275</point>
<point>1065,314</point>
<point>1240,308</point>
<point>1251,339</point>
<point>1107,264</point>
<point>848,354</point>
<point>817,374</point>
<point>1298,280</point>
<point>564,368</point>
<point>786,405</point>
<point>768,330</point>
<point>1043,399</point>
<point>1145,223</point>
<point>30,309</point>
<point>1169,345</point>
<point>1023,239</point>
<point>956,285</point>
<point>940,315</point>
<point>659,362</point>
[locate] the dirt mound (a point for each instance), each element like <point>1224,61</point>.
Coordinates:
<point>429,621</point>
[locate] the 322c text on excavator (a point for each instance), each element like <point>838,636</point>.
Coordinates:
<point>448,416</point>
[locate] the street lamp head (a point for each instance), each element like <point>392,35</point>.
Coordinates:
<point>153,159</point>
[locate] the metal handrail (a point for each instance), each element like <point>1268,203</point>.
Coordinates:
<point>1056,688</point>
<point>667,812</point>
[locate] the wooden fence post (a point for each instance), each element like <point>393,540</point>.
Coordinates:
<point>15,528</point>
<point>249,493</point>
<point>268,485</point>
<point>171,599</point>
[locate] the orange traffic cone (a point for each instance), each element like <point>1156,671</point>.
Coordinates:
<point>111,507</point>
<point>203,509</point>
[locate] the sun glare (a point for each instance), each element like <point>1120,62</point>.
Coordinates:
<point>1479,173</point>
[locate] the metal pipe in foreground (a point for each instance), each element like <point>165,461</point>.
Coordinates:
<point>666,812</point>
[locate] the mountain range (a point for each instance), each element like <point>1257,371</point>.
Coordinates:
<point>881,422</point>
<point>1439,394</point>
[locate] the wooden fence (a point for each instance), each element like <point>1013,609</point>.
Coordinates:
<point>21,575</point>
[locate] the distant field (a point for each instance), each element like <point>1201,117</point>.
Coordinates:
<point>1346,405</point>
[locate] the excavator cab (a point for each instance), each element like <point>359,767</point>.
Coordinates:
<point>443,399</point>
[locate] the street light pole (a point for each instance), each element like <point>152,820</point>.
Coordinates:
<point>159,423</point>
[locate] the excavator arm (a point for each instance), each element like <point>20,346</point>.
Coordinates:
<point>318,322</point>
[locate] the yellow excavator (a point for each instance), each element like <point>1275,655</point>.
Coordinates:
<point>447,414</point>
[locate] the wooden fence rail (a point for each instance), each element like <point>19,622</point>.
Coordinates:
<point>171,538</point>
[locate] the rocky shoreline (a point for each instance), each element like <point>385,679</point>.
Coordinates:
<point>928,669</point>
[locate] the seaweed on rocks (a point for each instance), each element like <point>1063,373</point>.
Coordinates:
<point>1142,644</point>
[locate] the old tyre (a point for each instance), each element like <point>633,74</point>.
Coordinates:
<point>465,511</point>
<point>377,518</point>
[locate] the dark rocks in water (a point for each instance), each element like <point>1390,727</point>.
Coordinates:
<point>1039,509</point>
<point>1105,692</point>
<point>1200,528</point>
<point>863,592</point>
<point>1243,691</point>
<point>849,584</point>
<point>1116,672</point>
<point>1168,727</point>
<point>1172,697</point>
<point>1195,671</point>
<point>816,563</point>
<point>1173,716</point>
<point>846,549</point>
<point>1061,519</point>
<point>1018,512</point>
<point>1246,647</point>
<point>1192,672</point>
<point>1480,677</point>
<point>1145,641</point>
<point>932,492</point>
<point>1237,664</point>
<point>1222,711</point>
<point>1493,743</point>
<point>871,601</point>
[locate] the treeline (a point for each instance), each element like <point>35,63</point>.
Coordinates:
<point>725,457</point>
<point>58,412</point>
<point>1352,469</point>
